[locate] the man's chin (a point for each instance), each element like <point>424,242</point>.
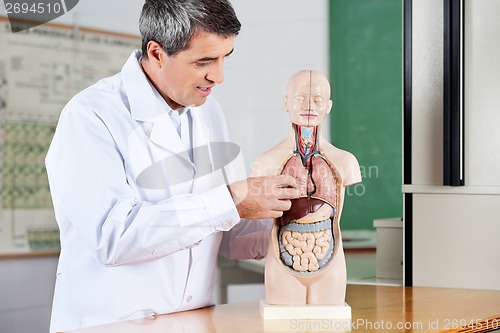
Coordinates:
<point>197,103</point>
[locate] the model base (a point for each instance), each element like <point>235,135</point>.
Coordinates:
<point>326,318</point>
<point>307,311</point>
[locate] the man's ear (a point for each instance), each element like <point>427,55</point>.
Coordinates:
<point>155,53</point>
<point>285,102</point>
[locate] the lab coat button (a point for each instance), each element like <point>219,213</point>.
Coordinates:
<point>189,299</point>
<point>154,253</point>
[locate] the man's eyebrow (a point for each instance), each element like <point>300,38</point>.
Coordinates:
<point>214,58</point>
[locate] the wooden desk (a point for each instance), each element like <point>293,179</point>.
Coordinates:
<point>374,309</point>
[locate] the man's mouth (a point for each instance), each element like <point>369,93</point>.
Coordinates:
<point>205,91</point>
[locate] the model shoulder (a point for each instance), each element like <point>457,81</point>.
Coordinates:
<point>344,161</point>
<point>270,162</point>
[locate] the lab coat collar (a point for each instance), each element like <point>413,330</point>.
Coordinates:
<point>144,105</point>
<point>147,105</point>
<point>165,135</point>
<point>168,143</point>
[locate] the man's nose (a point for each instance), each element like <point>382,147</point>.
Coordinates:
<point>216,73</point>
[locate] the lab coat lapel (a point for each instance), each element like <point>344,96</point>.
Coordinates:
<point>170,156</point>
<point>147,106</point>
<point>202,156</point>
<point>200,131</point>
<point>201,145</point>
<point>165,136</point>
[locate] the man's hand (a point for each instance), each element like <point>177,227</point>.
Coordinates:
<point>264,197</point>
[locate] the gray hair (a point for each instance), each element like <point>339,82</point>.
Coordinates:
<point>172,23</point>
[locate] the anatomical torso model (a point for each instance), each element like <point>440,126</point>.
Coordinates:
<point>305,262</point>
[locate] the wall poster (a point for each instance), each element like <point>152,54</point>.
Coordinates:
<point>40,70</point>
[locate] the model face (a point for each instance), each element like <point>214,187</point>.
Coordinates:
<point>308,98</point>
<point>188,77</point>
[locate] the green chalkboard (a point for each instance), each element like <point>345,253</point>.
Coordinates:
<point>366,76</point>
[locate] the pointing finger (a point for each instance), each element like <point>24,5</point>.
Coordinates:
<point>286,181</point>
<point>287,193</point>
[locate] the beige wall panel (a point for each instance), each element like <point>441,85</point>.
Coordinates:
<point>456,241</point>
<point>427,82</point>
<point>482,93</point>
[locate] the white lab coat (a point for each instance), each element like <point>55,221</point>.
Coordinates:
<point>128,250</point>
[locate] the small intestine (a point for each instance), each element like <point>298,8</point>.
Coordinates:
<point>306,248</point>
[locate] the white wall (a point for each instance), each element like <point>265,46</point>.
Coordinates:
<point>114,15</point>
<point>455,229</point>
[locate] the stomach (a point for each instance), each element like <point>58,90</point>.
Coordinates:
<point>323,213</point>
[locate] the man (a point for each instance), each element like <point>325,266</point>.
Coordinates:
<point>140,193</point>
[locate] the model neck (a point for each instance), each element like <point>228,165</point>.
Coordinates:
<point>306,141</point>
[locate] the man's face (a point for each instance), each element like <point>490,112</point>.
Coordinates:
<point>308,99</point>
<point>187,78</point>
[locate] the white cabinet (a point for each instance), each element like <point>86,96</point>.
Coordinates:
<point>26,289</point>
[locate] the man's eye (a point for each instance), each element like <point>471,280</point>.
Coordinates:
<point>299,98</point>
<point>202,63</point>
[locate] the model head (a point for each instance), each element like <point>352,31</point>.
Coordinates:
<point>172,23</point>
<point>307,98</point>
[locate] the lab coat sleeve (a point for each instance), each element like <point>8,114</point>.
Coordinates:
<point>249,239</point>
<point>94,200</point>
